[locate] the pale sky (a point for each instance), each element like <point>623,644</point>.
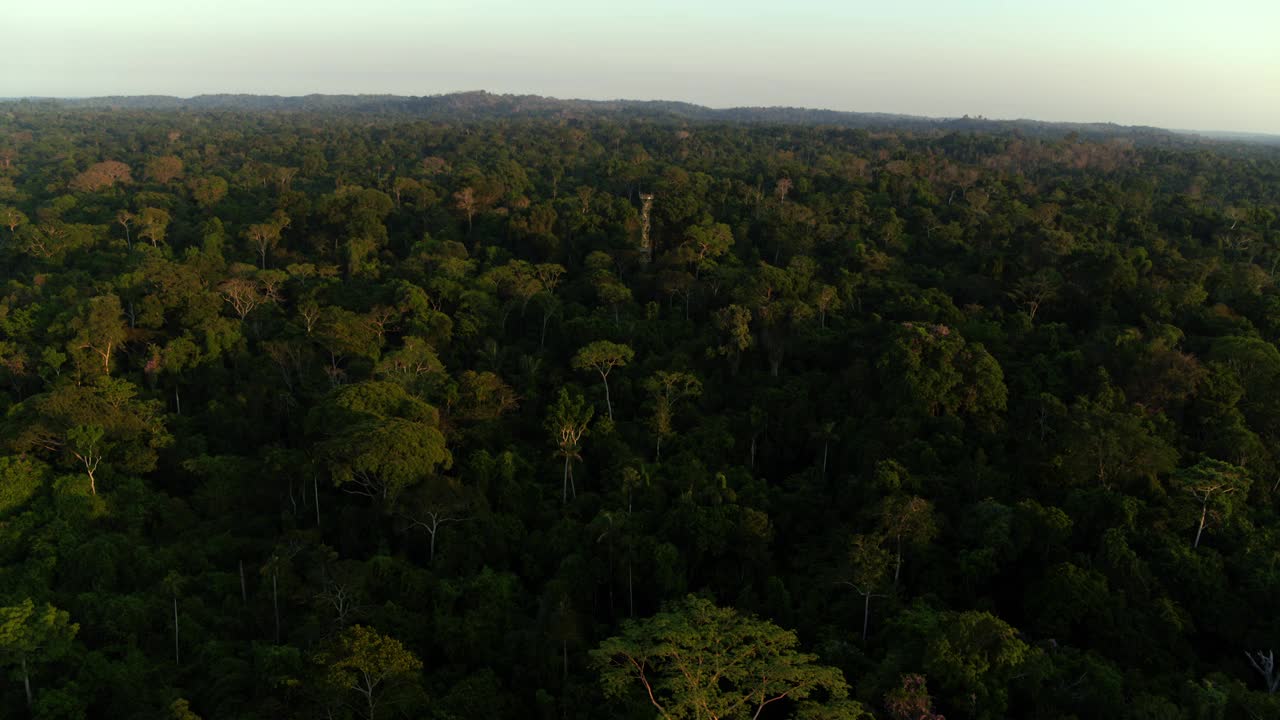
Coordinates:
<point>1206,65</point>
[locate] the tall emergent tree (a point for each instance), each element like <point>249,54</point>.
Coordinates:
<point>696,661</point>
<point>567,423</point>
<point>603,356</point>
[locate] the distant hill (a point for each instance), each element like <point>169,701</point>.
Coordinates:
<point>481,105</point>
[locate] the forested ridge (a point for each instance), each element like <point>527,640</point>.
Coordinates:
<point>325,415</point>
<point>480,105</point>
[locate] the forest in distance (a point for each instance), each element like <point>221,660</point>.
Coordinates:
<point>341,414</point>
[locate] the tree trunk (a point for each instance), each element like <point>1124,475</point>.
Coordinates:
<point>431,555</point>
<point>26,681</point>
<point>825,446</point>
<point>177,657</point>
<point>1204,512</point>
<point>244,593</point>
<point>315,493</point>
<point>607,401</point>
<point>275,599</point>
<point>564,489</point>
<point>631,599</point>
<point>897,566</point>
<point>866,616</point>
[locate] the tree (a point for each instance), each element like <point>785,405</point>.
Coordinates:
<point>1030,293</point>
<point>1265,664</point>
<point>733,325</point>
<point>266,235</point>
<point>31,635</point>
<point>439,502</point>
<point>567,423</point>
<point>208,191</point>
<point>125,218</point>
<point>376,667</point>
<point>173,583</point>
<point>84,442</point>
<point>866,565</point>
<point>909,519</point>
<point>911,701</point>
<point>703,244</point>
<point>602,356</point>
<point>826,432</point>
<point>100,176</point>
<point>379,452</point>
<point>152,224</point>
<point>242,294</point>
<point>180,709</point>
<point>466,201</point>
<point>1215,485</point>
<point>100,328</point>
<point>12,218</point>
<point>696,661</point>
<point>931,369</point>
<point>666,389</point>
<point>164,169</point>
<point>975,656</point>
<point>91,424</point>
<point>1109,440</point>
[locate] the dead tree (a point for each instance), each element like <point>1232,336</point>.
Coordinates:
<point>1265,664</point>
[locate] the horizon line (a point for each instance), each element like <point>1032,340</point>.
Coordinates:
<point>713,108</point>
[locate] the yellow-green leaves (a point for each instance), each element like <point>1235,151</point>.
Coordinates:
<point>697,661</point>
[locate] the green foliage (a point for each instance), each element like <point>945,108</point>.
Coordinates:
<point>990,418</point>
<point>21,477</point>
<point>32,635</point>
<point>376,668</point>
<point>696,660</point>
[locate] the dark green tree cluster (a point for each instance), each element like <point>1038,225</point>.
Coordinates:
<point>346,416</point>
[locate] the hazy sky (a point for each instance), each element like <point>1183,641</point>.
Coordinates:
<point>1208,64</point>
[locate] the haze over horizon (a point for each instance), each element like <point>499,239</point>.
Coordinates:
<point>1133,62</point>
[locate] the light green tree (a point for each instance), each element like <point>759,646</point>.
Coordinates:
<point>567,425</point>
<point>602,356</point>
<point>375,667</point>
<point>667,389</point>
<point>1216,486</point>
<point>30,635</point>
<point>696,661</point>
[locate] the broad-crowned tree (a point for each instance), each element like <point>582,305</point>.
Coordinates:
<point>1216,488</point>
<point>376,669</point>
<point>697,661</point>
<point>31,635</point>
<point>601,357</point>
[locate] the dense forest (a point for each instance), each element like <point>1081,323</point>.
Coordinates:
<point>339,415</point>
